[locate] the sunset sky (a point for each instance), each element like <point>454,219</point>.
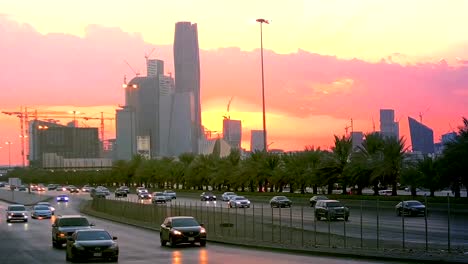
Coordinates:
<point>326,62</point>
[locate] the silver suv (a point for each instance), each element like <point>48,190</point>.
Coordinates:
<point>65,225</point>
<point>16,212</point>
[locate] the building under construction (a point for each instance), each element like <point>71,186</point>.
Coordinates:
<point>53,145</point>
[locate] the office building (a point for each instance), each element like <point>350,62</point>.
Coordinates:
<point>422,137</point>
<point>388,126</point>
<point>187,78</point>
<point>48,139</point>
<point>154,68</point>
<point>256,140</point>
<point>125,143</point>
<point>232,132</point>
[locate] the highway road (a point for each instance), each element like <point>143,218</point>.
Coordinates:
<point>31,243</point>
<point>382,222</point>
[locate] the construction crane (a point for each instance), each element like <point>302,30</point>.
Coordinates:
<point>350,126</point>
<point>147,55</point>
<point>48,115</point>
<point>422,113</point>
<point>131,68</point>
<point>227,116</point>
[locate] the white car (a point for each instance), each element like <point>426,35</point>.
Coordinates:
<point>16,212</point>
<point>159,197</point>
<point>227,196</point>
<point>239,202</point>
<point>41,211</point>
<point>52,209</point>
<point>171,194</point>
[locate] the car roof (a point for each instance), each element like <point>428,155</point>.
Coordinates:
<point>180,217</point>
<point>71,216</point>
<point>15,205</point>
<point>328,201</point>
<point>91,230</point>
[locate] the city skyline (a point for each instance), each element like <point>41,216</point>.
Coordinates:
<point>315,91</point>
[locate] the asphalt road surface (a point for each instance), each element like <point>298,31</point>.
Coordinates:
<point>369,219</point>
<point>31,243</point>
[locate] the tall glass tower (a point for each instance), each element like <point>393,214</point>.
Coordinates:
<point>187,75</point>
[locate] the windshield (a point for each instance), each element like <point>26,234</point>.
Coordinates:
<point>17,208</point>
<point>281,198</point>
<point>42,207</point>
<point>74,222</point>
<point>182,222</point>
<point>415,203</point>
<point>44,203</point>
<point>230,193</point>
<point>240,198</point>
<point>334,204</point>
<point>93,235</point>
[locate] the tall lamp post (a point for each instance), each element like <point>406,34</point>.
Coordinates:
<point>261,21</point>
<point>9,153</point>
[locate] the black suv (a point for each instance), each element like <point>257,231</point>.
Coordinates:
<point>65,225</point>
<point>120,192</point>
<point>331,209</point>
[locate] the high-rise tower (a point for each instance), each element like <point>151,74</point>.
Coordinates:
<point>187,75</point>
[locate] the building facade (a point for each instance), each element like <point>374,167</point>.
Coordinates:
<point>388,126</point>
<point>187,76</point>
<point>422,137</point>
<point>125,142</point>
<point>232,132</point>
<point>357,137</point>
<point>256,140</point>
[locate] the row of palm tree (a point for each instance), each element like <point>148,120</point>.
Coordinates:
<point>379,162</point>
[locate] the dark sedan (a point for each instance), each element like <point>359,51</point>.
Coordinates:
<point>207,196</point>
<point>120,192</point>
<point>410,208</point>
<point>280,201</point>
<point>144,196</point>
<point>92,244</point>
<point>182,229</point>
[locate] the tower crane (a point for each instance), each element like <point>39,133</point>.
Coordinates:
<point>131,68</point>
<point>147,55</point>
<point>24,119</point>
<point>227,116</point>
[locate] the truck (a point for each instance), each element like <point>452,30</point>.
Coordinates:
<point>14,183</point>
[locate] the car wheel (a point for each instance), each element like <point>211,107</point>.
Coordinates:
<point>163,243</point>
<point>26,220</point>
<point>398,212</point>
<point>171,241</point>
<point>114,259</point>
<point>203,243</point>
<point>8,221</point>
<point>346,218</point>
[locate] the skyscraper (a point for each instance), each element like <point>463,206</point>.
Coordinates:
<point>422,137</point>
<point>187,76</point>
<point>232,132</point>
<point>357,137</point>
<point>388,126</point>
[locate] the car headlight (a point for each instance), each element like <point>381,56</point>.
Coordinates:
<point>61,234</point>
<point>176,232</point>
<point>202,230</point>
<point>214,196</point>
<point>114,246</point>
<point>79,246</point>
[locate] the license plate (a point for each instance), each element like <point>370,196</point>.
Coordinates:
<point>191,239</point>
<point>97,254</point>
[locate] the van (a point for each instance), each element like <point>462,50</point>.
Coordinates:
<point>385,192</point>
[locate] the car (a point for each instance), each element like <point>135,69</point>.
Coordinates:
<point>171,194</point>
<point>97,193</point>
<point>52,209</point>
<point>92,244</point>
<point>16,212</point>
<point>227,196</point>
<point>51,187</point>
<point>160,197</point>
<point>280,201</point>
<point>385,192</point>
<point>22,188</point>
<point>207,196</point>
<point>41,211</point>
<point>144,196</point>
<point>316,198</point>
<point>239,202</point>
<point>103,190</point>
<point>86,188</point>
<point>411,208</point>
<point>141,189</point>
<point>182,229</point>
<point>41,188</point>
<point>119,192</point>
<point>65,225</point>
<point>62,198</point>
<point>73,189</point>
<point>125,188</point>
<point>331,209</point>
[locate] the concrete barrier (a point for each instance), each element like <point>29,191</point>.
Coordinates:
<point>22,197</point>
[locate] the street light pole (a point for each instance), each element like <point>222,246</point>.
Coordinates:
<point>9,153</point>
<point>261,21</point>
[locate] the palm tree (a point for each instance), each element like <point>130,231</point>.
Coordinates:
<point>332,169</point>
<point>453,160</point>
